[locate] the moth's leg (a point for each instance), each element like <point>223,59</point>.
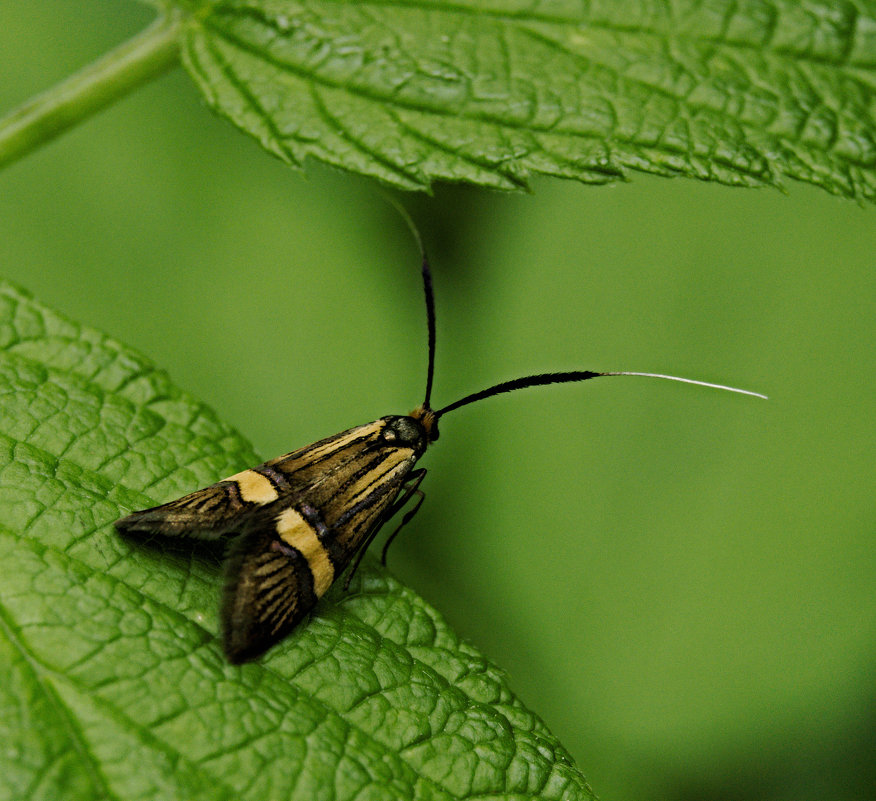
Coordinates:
<point>411,488</point>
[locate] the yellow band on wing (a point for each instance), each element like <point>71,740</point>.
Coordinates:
<point>295,531</point>
<point>254,487</point>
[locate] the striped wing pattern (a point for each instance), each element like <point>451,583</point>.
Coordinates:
<point>294,523</point>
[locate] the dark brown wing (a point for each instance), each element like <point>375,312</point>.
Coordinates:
<point>289,555</point>
<point>269,588</point>
<point>208,513</point>
<point>295,523</point>
<point>223,507</point>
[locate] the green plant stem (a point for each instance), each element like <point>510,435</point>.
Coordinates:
<point>42,118</point>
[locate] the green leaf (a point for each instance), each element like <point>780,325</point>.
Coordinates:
<point>495,91</point>
<point>114,683</point>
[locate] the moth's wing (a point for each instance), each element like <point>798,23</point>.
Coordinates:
<point>270,587</point>
<point>211,512</point>
<point>223,508</point>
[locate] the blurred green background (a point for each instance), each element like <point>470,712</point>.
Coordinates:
<point>680,581</point>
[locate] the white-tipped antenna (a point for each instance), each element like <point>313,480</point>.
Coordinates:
<point>692,381</point>
<point>577,375</point>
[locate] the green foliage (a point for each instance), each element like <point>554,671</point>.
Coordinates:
<point>112,683</point>
<point>115,685</point>
<point>492,92</point>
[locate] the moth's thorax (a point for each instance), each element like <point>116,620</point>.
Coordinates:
<point>400,431</point>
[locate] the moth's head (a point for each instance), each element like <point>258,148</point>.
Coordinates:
<point>428,421</point>
<point>405,432</point>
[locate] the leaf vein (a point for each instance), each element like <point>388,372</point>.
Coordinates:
<point>68,721</point>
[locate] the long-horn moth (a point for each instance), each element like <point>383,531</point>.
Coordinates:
<point>295,523</point>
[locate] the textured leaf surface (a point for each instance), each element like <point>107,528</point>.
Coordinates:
<point>114,685</point>
<point>494,91</point>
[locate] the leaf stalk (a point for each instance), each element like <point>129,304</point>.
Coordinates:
<point>39,120</point>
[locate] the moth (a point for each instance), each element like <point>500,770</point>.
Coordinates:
<point>295,523</point>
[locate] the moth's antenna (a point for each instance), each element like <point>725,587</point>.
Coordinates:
<point>430,293</point>
<point>564,378</point>
<point>430,320</point>
<point>429,417</point>
<point>692,381</point>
